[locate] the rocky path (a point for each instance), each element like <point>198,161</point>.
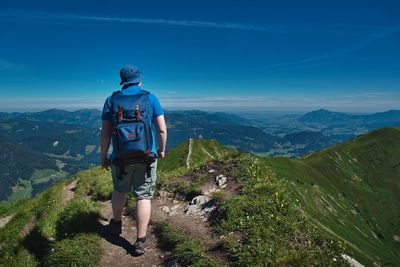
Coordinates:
<point>118,251</point>
<point>194,218</point>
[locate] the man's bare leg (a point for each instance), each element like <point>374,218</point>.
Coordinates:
<point>143,211</point>
<point>118,202</point>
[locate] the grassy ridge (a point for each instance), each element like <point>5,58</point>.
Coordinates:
<point>260,226</point>
<point>174,164</point>
<point>202,152</point>
<point>351,190</point>
<point>44,231</point>
<point>32,223</point>
<point>342,188</point>
<point>263,227</point>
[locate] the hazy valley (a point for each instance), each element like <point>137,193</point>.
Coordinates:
<point>41,148</point>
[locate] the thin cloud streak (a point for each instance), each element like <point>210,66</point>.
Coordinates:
<point>39,15</point>
<point>375,36</point>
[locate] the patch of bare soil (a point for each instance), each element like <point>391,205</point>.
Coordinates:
<point>5,220</point>
<point>69,192</point>
<point>28,227</point>
<point>118,250</point>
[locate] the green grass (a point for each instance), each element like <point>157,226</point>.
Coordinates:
<point>10,235</point>
<point>81,250</point>
<point>6,208</point>
<point>80,216</point>
<point>95,182</point>
<point>50,206</point>
<point>351,191</point>
<point>219,197</point>
<point>52,226</point>
<point>174,165</point>
<point>22,259</point>
<point>275,220</point>
<point>262,226</point>
<point>188,251</point>
<point>203,151</point>
<point>42,213</point>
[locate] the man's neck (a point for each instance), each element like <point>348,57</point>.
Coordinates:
<point>129,85</point>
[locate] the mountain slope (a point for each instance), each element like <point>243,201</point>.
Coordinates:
<point>19,163</point>
<point>83,117</point>
<point>352,192</point>
<point>191,154</point>
<point>227,129</point>
<point>326,117</point>
<point>252,221</point>
<point>337,122</point>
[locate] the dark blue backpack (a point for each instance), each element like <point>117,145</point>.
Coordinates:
<point>132,135</point>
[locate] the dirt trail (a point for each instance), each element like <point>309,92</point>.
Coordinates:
<point>189,153</point>
<point>68,192</point>
<point>118,251</point>
<point>5,220</point>
<point>194,226</point>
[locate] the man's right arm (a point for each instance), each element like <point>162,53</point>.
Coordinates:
<point>161,136</point>
<point>105,140</point>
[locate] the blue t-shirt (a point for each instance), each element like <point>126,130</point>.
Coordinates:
<point>154,112</point>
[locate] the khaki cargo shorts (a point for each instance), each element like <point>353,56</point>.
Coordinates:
<point>136,180</point>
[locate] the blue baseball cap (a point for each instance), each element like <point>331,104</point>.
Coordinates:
<point>130,74</point>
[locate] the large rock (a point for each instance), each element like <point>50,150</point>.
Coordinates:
<point>221,180</point>
<point>165,209</point>
<point>197,204</point>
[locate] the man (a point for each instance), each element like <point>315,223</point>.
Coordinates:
<point>137,178</point>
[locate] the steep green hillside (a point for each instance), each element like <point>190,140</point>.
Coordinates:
<point>352,191</point>
<point>202,151</point>
<point>254,222</point>
<point>17,165</point>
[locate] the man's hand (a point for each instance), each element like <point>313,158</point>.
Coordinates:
<point>105,163</point>
<point>161,153</point>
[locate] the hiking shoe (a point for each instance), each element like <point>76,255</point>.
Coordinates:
<point>116,227</point>
<point>138,248</point>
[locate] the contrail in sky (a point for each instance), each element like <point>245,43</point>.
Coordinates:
<point>40,15</point>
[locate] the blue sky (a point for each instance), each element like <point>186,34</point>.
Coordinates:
<point>210,55</point>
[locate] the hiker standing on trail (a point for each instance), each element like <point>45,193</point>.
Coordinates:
<point>127,119</point>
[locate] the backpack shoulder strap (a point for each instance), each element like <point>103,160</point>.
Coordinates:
<point>114,99</point>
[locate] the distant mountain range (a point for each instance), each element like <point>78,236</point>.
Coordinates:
<point>71,139</point>
<point>329,118</point>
